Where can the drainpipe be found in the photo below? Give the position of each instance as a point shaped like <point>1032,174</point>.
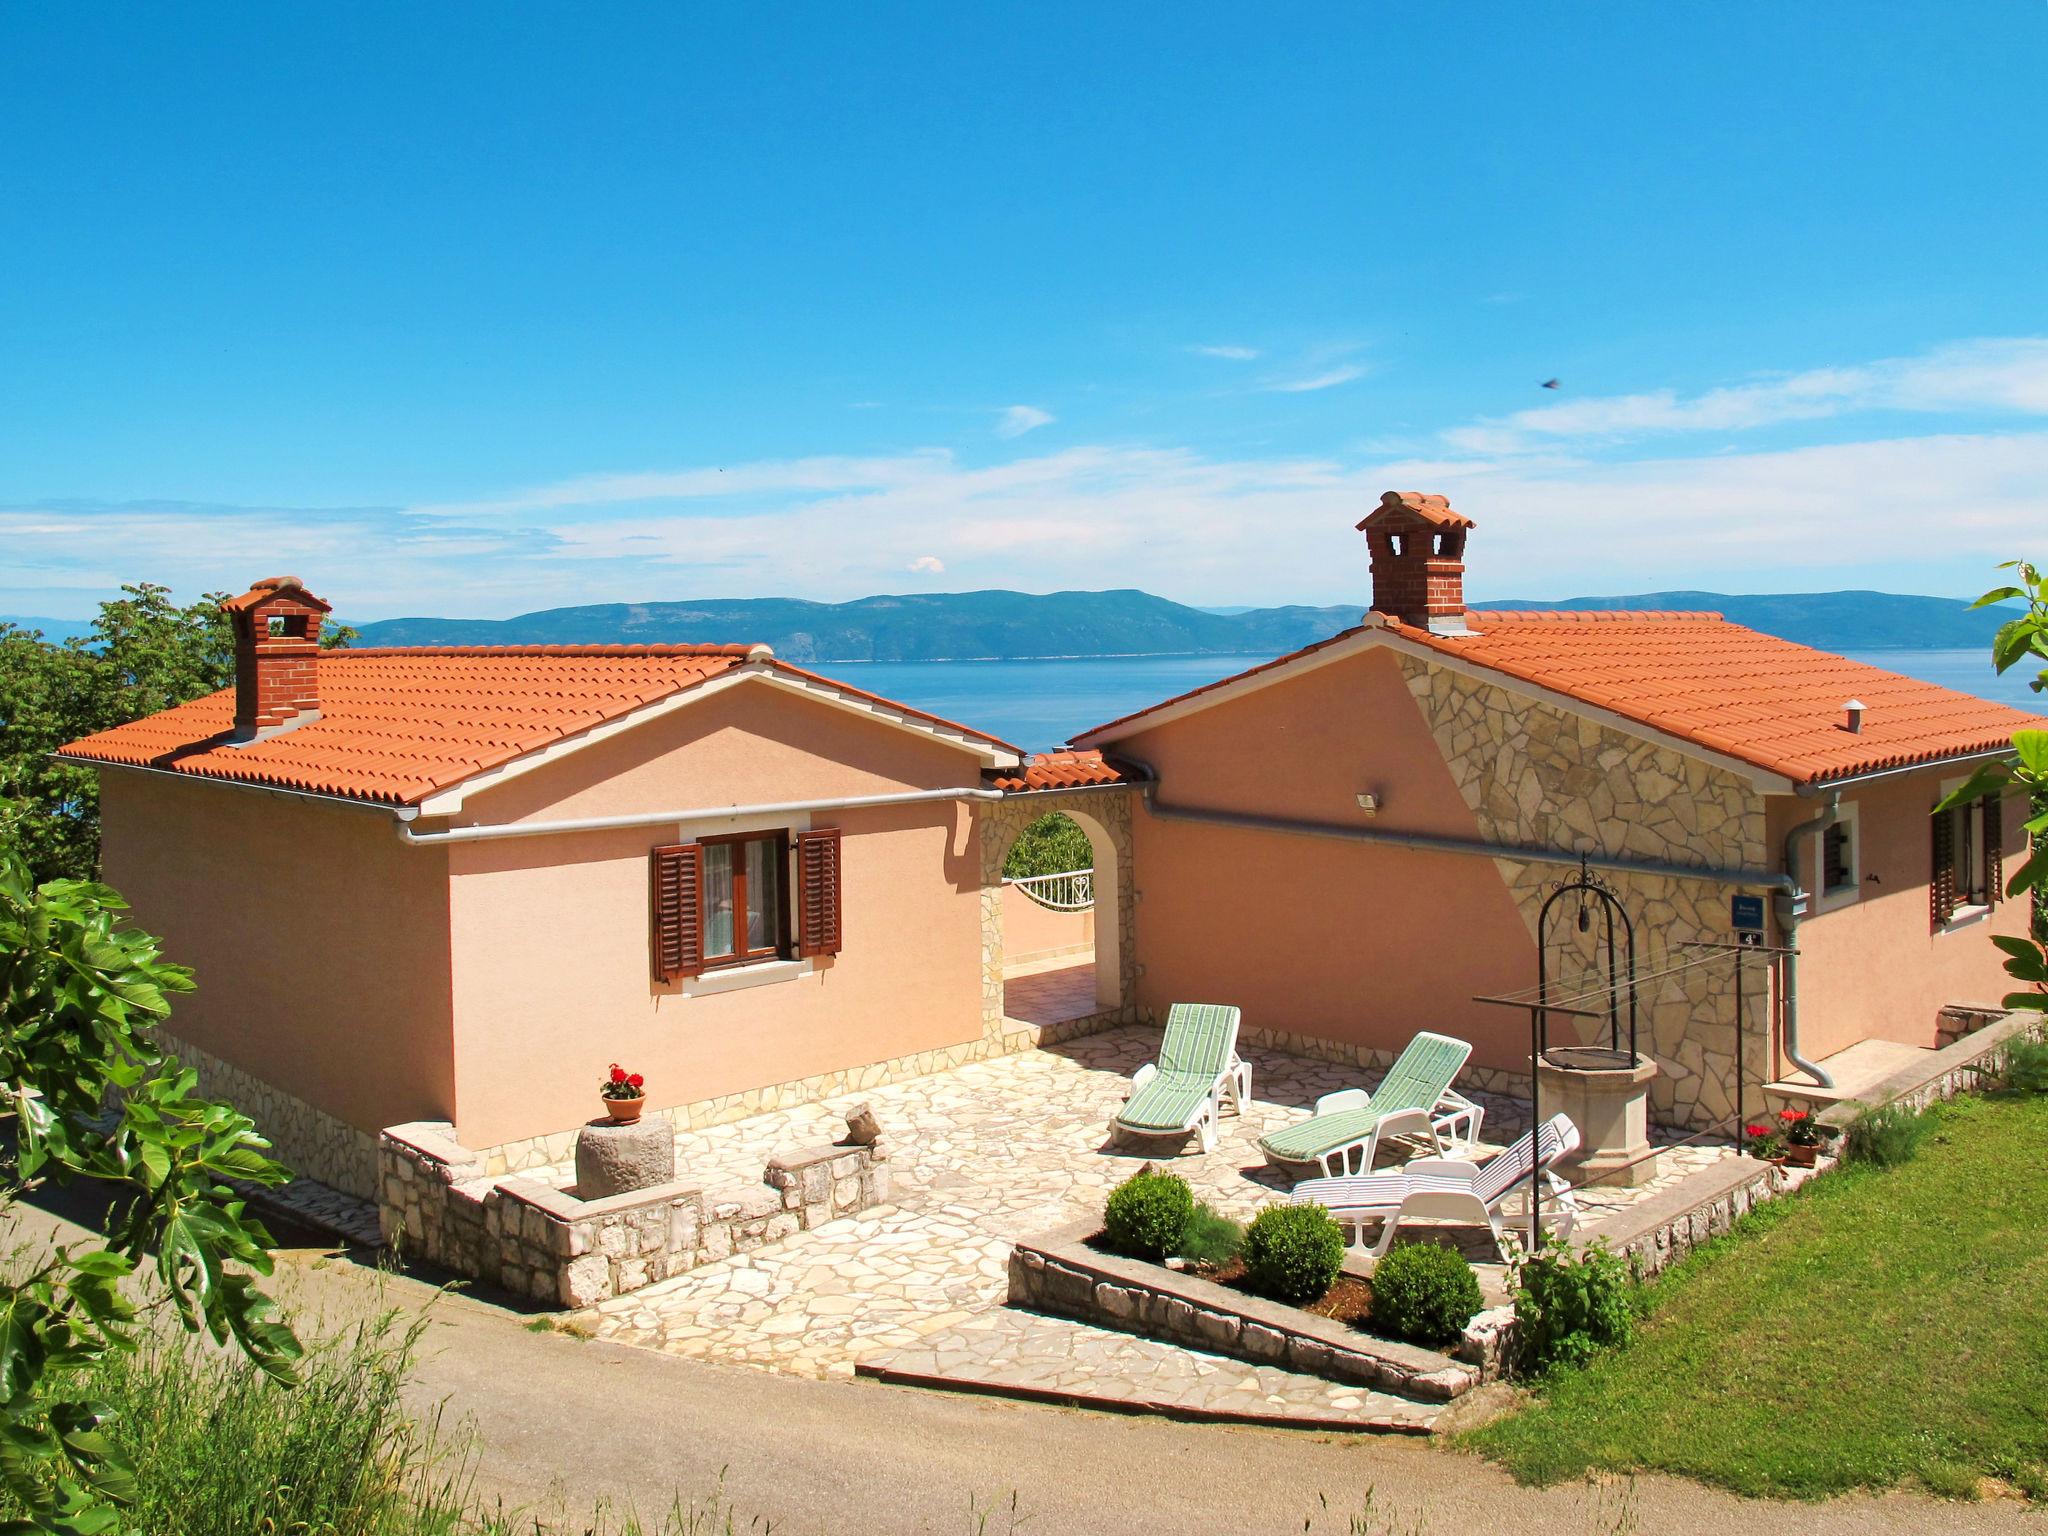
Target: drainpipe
<point>1788,919</point>
<point>414,839</point>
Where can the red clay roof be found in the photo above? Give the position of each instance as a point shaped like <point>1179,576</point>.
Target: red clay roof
<point>1732,690</point>
<point>1058,770</point>
<point>1431,509</point>
<point>397,725</point>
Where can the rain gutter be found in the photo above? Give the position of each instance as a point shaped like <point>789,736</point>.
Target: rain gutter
<point>413,839</point>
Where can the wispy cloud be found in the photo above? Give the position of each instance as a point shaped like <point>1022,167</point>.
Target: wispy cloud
<point>1229,354</point>
<point>1016,420</point>
<point>1328,378</point>
<point>2005,374</point>
<point>928,565</point>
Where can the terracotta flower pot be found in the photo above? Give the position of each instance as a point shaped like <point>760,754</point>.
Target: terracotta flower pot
<point>1801,1157</point>
<point>625,1111</point>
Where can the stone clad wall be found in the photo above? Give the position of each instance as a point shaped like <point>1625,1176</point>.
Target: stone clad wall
<point>1535,774</point>
<point>311,1143</point>
<point>436,1202</point>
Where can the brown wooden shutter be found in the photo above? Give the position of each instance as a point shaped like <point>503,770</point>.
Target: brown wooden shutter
<point>1941,887</point>
<point>1994,849</point>
<point>817,892</point>
<point>678,912</point>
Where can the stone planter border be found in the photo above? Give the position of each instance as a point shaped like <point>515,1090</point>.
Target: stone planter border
<point>436,1202</point>
<point>1061,1274</point>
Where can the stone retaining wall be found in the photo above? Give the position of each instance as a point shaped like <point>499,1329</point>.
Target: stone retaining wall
<point>437,1202</point>
<point>309,1141</point>
<point>1061,1274</point>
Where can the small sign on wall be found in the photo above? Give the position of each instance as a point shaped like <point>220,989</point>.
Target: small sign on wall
<point>1746,917</point>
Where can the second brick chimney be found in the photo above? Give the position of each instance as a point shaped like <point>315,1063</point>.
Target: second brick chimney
<point>277,654</point>
<point>1418,561</point>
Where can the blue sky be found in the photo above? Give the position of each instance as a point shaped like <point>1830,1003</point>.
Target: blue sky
<point>473,309</point>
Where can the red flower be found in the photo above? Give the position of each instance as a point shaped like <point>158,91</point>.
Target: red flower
<point>636,1080</point>
<point>1756,1130</point>
<point>618,1073</point>
<point>1790,1116</point>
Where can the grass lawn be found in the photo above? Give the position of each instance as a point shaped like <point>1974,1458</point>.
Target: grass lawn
<point>1880,1327</point>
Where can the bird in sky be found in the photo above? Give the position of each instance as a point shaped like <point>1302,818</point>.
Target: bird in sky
<point>1553,384</point>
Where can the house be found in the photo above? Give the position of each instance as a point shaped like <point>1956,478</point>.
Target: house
<point>455,884</point>
<point>1354,841</point>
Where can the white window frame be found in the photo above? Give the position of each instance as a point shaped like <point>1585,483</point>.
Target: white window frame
<point>1825,899</point>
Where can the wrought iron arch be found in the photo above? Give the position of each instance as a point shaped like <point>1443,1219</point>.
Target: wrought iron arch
<point>1593,895</point>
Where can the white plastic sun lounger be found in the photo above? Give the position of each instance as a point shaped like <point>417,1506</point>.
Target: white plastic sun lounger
<point>1450,1189</point>
<point>1197,1068</point>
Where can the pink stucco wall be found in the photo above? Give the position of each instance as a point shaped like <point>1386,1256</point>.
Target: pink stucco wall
<point>1345,941</point>
<point>550,934</point>
<point>1875,968</point>
<point>1033,932</point>
<point>319,943</point>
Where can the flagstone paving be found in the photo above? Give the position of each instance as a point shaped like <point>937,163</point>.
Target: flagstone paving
<point>979,1156</point>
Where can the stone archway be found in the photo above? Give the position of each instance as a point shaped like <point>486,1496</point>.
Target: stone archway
<point>1105,815</point>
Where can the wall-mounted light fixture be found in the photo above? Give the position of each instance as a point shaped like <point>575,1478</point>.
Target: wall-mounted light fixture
<point>1369,803</point>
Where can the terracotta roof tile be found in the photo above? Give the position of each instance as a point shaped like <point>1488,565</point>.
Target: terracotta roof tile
<point>1065,769</point>
<point>1431,509</point>
<point>396,725</point>
<point>1752,696</point>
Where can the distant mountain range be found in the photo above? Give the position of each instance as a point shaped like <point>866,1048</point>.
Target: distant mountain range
<point>954,626</point>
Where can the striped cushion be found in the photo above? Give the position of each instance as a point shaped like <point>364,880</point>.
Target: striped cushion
<point>1200,1040</point>
<point>1416,1080</point>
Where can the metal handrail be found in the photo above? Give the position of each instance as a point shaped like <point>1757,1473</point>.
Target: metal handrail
<point>1067,890</point>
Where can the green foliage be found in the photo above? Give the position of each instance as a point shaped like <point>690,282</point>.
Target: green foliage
<point>2022,639</point>
<point>1885,1137</point>
<point>2026,1067</point>
<point>1569,1306</point>
<point>1293,1253</point>
<point>1813,1351</point>
<point>1147,1216</point>
<point>79,992</point>
<point>145,654</point>
<point>1424,1292</point>
<point>1051,845</point>
<point>1211,1237</point>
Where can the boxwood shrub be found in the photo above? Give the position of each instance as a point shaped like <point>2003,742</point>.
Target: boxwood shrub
<point>1147,1216</point>
<point>1293,1252</point>
<point>1424,1292</point>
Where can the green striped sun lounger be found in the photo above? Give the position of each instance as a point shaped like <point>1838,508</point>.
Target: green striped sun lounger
<point>1413,1099</point>
<point>1184,1089</point>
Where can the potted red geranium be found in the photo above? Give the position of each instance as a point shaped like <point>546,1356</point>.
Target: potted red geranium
<point>624,1094</point>
<point>1802,1137</point>
<point>1764,1144</point>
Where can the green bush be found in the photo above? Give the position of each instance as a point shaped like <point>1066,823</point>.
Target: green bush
<point>1211,1237</point>
<point>1568,1306</point>
<point>1424,1292</point>
<point>1051,845</point>
<point>2026,1067</point>
<point>1885,1137</point>
<point>1147,1215</point>
<point>1293,1252</point>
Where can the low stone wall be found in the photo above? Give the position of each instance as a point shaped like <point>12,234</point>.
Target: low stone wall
<point>1061,1274</point>
<point>1959,1019</point>
<point>1961,1067</point>
<point>310,1142</point>
<point>437,1202</point>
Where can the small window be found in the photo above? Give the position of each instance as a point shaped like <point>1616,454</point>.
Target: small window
<point>746,909</point>
<point>1969,863</point>
<point>1838,860</point>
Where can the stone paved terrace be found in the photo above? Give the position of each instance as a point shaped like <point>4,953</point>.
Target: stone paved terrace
<point>980,1156</point>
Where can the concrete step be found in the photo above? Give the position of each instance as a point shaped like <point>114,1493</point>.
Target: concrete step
<point>1013,1353</point>
<point>1856,1071</point>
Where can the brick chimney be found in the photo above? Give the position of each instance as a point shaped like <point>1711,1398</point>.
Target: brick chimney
<point>1418,561</point>
<point>277,649</point>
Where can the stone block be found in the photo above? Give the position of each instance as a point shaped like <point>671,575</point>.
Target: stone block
<point>786,1224</point>
<point>714,1242</point>
<point>614,1159</point>
<point>817,1182</point>
<point>633,1274</point>
<point>1217,1330</point>
<point>1113,1301</point>
<point>585,1281</point>
<point>1267,1346</point>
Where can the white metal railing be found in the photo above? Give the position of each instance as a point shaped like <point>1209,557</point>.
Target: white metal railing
<point>1071,890</point>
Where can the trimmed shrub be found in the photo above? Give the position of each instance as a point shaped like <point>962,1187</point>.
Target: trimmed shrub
<point>1424,1292</point>
<point>1568,1307</point>
<point>1885,1137</point>
<point>1211,1238</point>
<point>1293,1252</point>
<point>1147,1215</point>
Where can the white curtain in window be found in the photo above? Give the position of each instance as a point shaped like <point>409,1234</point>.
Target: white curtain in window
<point>764,895</point>
<point>718,895</point>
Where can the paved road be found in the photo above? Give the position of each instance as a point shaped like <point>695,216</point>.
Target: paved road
<point>563,1421</point>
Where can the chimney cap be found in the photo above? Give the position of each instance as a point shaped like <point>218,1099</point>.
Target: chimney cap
<point>1853,710</point>
<point>1409,507</point>
<point>272,587</point>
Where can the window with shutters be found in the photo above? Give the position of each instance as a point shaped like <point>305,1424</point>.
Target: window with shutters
<point>740,900</point>
<point>1841,860</point>
<point>1969,874</point>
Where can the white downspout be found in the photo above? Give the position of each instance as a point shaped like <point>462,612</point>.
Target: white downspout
<point>490,833</point>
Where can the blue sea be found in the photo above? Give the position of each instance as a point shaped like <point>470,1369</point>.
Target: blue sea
<point>1040,704</point>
